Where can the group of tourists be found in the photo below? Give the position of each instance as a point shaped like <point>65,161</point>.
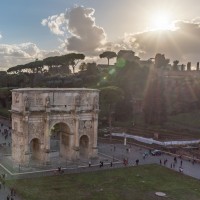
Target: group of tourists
<point>12,194</point>
<point>5,133</point>
<point>173,164</point>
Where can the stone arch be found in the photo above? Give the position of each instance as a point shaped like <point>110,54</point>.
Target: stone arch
<point>54,122</point>
<point>60,137</point>
<point>47,107</point>
<point>35,149</point>
<point>84,146</point>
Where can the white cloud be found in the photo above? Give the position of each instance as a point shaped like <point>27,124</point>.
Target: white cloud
<point>12,55</point>
<point>56,23</point>
<point>78,28</point>
<point>0,36</point>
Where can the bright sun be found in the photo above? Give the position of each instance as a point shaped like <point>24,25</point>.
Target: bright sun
<point>161,21</point>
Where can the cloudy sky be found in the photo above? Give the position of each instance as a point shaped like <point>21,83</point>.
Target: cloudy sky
<point>42,28</point>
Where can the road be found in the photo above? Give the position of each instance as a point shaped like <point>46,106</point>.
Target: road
<point>136,152</point>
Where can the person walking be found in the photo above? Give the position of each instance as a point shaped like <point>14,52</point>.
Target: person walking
<point>175,159</point>
<point>137,162</point>
<point>111,164</point>
<point>101,164</point>
<point>180,169</point>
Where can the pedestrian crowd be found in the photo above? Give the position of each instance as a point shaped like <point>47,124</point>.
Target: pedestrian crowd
<point>5,133</point>
<point>11,193</point>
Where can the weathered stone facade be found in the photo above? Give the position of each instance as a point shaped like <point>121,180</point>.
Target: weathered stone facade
<point>35,113</point>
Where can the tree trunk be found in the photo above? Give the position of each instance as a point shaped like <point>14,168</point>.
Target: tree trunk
<point>108,61</point>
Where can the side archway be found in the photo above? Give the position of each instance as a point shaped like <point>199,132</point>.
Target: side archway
<point>35,149</point>
<point>84,146</point>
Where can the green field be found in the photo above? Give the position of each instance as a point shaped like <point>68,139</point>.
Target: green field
<point>134,183</point>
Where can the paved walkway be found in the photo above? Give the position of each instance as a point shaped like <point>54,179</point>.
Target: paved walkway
<point>135,152</point>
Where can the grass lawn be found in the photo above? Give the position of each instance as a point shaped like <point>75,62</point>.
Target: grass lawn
<point>134,183</point>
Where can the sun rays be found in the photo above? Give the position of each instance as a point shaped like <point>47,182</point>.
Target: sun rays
<point>161,21</point>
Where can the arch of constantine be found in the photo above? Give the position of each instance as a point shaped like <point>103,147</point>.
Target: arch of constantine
<point>44,119</point>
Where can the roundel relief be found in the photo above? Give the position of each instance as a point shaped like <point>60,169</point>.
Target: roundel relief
<point>88,124</point>
<point>85,124</point>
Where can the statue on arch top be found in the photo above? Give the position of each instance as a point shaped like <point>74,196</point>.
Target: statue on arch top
<point>47,102</point>
<point>26,103</point>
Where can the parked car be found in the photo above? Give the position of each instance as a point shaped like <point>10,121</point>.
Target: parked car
<point>156,152</point>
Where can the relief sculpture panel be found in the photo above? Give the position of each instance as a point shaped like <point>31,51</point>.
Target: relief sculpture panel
<point>38,100</point>
<point>36,129</point>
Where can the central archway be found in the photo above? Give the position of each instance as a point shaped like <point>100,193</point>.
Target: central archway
<point>59,140</point>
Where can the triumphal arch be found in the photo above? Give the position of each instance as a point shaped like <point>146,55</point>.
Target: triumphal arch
<point>50,120</point>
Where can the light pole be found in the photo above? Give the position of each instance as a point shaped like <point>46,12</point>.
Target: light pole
<point>125,139</point>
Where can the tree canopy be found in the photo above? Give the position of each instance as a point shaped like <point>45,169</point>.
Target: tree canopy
<point>37,66</point>
<point>109,55</point>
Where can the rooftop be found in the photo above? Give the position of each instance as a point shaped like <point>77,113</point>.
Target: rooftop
<point>53,89</point>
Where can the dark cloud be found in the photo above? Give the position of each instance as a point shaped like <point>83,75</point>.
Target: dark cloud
<point>85,35</point>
